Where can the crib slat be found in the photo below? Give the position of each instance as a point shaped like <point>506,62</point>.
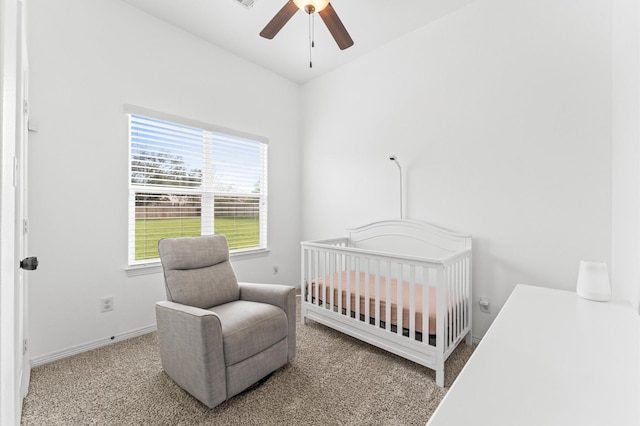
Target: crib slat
<point>458,311</point>
<point>322,277</point>
<point>331,267</point>
<point>441,315</point>
<point>367,292</point>
<point>401,307</point>
<point>452,306</point>
<point>358,278</point>
<point>326,280</point>
<point>468,295</point>
<point>459,297</point>
<point>307,285</point>
<point>328,301</point>
<point>304,283</point>
<point>412,302</point>
<point>323,289</point>
<point>376,306</point>
<point>387,297</point>
<point>339,260</point>
<point>463,295</point>
<point>445,316</point>
<point>455,301</point>
<point>425,305</point>
<point>316,288</point>
<point>449,316</point>
<point>349,268</point>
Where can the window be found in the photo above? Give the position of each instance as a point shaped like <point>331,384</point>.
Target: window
<point>189,179</point>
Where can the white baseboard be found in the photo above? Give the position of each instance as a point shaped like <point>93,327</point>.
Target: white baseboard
<point>78,349</point>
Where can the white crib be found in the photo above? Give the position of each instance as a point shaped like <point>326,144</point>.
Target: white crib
<point>370,285</point>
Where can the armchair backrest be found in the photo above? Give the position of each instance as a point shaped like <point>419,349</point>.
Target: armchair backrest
<point>197,271</point>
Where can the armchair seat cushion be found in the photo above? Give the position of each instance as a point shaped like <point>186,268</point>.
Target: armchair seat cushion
<point>249,328</point>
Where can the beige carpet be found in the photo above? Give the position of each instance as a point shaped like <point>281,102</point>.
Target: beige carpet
<point>334,380</point>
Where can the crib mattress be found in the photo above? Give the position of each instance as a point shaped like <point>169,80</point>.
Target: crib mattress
<point>371,282</point>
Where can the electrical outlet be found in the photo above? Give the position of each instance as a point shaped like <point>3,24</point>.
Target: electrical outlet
<point>106,304</point>
<point>485,305</point>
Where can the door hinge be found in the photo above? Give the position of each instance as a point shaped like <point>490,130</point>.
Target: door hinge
<point>25,346</point>
<point>25,107</point>
<point>25,226</point>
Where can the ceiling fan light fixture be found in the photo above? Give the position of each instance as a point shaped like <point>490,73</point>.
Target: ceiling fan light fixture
<point>317,5</point>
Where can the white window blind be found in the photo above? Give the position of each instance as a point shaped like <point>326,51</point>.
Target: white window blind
<point>189,181</point>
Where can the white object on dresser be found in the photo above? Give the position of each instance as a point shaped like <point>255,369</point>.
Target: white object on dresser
<point>550,358</point>
<point>593,281</point>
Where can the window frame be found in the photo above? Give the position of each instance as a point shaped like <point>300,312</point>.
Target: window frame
<point>139,267</point>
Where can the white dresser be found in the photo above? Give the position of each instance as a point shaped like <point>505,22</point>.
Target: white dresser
<point>550,358</point>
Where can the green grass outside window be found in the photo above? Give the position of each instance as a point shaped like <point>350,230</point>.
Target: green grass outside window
<point>241,232</point>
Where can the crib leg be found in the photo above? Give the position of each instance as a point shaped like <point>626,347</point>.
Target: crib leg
<point>468,338</point>
<point>440,376</point>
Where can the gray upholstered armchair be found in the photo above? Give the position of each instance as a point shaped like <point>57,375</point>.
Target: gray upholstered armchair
<point>217,336</point>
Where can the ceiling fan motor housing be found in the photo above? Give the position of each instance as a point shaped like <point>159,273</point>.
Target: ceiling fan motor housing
<point>311,6</point>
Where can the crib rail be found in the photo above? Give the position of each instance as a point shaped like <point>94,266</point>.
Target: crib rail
<point>410,303</point>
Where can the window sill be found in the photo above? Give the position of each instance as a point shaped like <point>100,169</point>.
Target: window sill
<point>156,267</point>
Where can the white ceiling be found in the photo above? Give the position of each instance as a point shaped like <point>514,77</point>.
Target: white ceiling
<point>235,28</point>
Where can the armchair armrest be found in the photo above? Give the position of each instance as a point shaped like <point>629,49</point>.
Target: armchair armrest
<point>282,296</point>
<point>191,349</point>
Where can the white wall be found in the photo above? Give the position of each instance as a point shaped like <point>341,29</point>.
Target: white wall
<point>501,115</point>
<point>626,151</point>
<point>87,60</point>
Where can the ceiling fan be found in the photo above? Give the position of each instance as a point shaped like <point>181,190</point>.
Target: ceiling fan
<point>322,7</point>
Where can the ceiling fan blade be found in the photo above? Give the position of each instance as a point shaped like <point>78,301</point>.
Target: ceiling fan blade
<point>336,28</point>
<point>278,21</point>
